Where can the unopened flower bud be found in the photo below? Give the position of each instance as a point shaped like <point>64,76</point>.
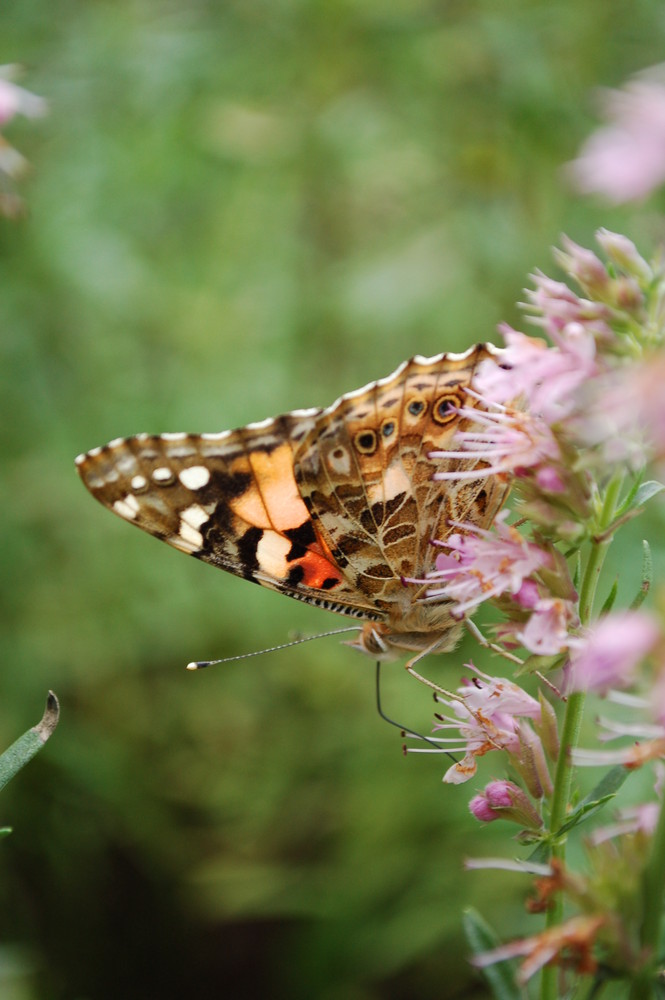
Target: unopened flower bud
<point>584,267</point>
<point>505,800</point>
<point>530,762</point>
<point>622,252</point>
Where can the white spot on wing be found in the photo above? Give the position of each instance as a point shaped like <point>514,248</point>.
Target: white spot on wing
<point>127,508</point>
<point>185,545</point>
<point>271,553</point>
<point>395,481</point>
<point>139,482</point>
<point>260,424</point>
<point>195,477</point>
<point>216,437</point>
<point>313,411</point>
<point>178,436</point>
<point>190,536</point>
<point>339,464</point>
<point>162,474</point>
<point>195,515</point>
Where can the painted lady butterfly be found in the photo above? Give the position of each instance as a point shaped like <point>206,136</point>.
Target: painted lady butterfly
<point>335,507</point>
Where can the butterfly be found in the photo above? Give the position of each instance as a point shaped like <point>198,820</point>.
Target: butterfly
<point>336,507</point>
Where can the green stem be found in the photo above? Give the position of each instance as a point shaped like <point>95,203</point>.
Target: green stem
<point>653,887</point>
<point>573,720</point>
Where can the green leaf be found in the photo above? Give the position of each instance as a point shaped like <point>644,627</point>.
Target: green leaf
<point>647,576</point>
<point>604,791</point>
<point>646,491</point>
<point>629,501</point>
<point>611,598</point>
<point>26,746</point>
<point>481,938</point>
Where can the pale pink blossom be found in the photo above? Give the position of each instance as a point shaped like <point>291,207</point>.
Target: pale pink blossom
<point>584,266</point>
<point>482,564</point>
<point>510,442</point>
<point>621,418</point>
<point>485,711</point>
<point>623,252</point>
<point>545,377</point>
<point>556,306</point>
<point>625,159</point>
<point>608,655</point>
<point>547,630</point>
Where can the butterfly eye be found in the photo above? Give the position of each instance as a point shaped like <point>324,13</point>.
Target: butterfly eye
<point>445,408</point>
<point>416,407</point>
<point>388,428</point>
<point>365,442</point>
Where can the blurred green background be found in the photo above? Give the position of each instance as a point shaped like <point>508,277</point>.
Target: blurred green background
<point>236,209</point>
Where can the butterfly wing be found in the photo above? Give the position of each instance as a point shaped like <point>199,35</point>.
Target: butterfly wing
<point>365,475</point>
<point>333,507</point>
<point>229,499</point>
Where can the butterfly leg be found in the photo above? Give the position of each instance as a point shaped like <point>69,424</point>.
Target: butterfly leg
<point>408,666</point>
<point>480,638</point>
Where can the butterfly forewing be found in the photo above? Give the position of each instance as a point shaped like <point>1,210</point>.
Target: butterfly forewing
<point>229,499</point>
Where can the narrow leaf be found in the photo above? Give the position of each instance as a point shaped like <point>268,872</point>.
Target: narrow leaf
<point>647,575</point>
<point>583,812</point>
<point>629,500</point>
<point>648,490</point>
<point>611,598</point>
<point>599,796</point>
<point>481,938</point>
<point>26,746</point>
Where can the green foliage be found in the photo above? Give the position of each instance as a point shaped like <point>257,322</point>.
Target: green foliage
<point>237,209</point>
<point>30,743</point>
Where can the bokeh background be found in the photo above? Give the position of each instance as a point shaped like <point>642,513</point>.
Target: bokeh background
<point>236,209</point>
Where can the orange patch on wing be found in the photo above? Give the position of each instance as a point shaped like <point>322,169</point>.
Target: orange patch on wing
<point>272,552</point>
<point>317,570</point>
<point>275,502</point>
<point>272,502</point>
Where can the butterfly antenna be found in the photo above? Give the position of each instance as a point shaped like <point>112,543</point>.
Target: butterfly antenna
<point>200,664</point>
<point>404,729</point>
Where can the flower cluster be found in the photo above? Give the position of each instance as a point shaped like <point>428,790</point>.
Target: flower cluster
<point>572,422</point>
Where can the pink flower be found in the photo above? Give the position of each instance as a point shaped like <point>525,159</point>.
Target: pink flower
<point>545,377</point>
<point>608,655</point>
<point>484,563</point>
<point>546,631</point>
<point>556,306</point>
<point>625,159</point>
<point>510,442</point>
<point>504,800</point>
<point>486,711</point>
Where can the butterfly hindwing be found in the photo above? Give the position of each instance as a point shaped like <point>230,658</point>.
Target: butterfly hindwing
<point>365,473</point>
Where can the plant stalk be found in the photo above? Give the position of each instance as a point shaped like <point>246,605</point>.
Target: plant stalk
<point>573,719</point>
